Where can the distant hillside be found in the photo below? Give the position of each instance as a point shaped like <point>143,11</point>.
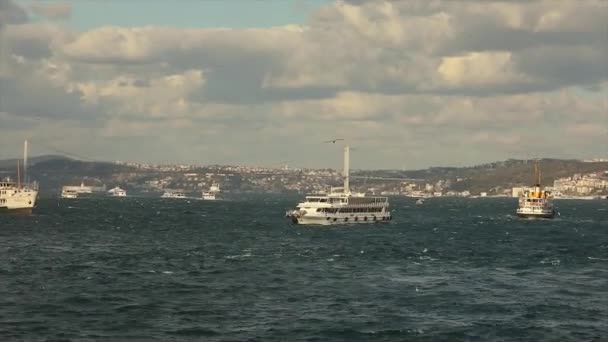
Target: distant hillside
<point>54,171</point>
<point>12,163</point>
<point>498,174</point>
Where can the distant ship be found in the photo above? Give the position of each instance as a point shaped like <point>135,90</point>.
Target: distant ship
<point>70,191</point>
<point>67,193</point>
<point>210,195</point>
<point>18,197</point>
<point>82,189</point>
<point>117,192</point>
<point>341,206</point>
<point>173,194</point>
<point>536,202</point>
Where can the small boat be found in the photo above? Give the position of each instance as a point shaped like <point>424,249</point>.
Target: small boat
<point>210,195</point>
<point>420,201</point>
<point>69,194</point>
<point>173,194</point>
<point>117,192</point>
<point>215,187</point>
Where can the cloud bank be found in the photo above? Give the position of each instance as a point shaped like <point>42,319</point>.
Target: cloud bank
<point>411,83</point>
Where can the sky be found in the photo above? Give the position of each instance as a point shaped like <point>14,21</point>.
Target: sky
<point>407,83</point>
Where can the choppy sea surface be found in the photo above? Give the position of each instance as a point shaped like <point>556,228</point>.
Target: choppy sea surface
<point>135,269</point>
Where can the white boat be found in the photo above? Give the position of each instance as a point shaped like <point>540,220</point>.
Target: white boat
<point>536,202</point>
<point>341,206</point>
<point>82,189</point>
<point>18,197</point>
<point>420,201</point>
<point>215,187</point>
<point>117,192</point>
<point>173,194</point>
<point>69,193</point>
<point>210,195</point>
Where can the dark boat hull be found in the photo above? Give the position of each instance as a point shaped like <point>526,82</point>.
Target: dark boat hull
<point>539,215</point>
<point>20,211</point>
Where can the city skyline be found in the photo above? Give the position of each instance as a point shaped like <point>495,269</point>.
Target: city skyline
<point>408,83</point>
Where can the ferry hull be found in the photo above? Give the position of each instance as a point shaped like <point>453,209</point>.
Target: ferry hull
<point>19,211</point>
<point>546,215</point>
<point>21,202</point>
<point>335,220</point>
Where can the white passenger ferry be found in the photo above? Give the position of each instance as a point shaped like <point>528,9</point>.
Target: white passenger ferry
<point>18,197</point>
<point>341,206</point>
<point>536,202</point>
<point>67,193</point>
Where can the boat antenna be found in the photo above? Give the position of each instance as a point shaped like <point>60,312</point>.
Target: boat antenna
<point>25,161</point>
<point>539,174</point>
<point>346,173</point>
<point>18,175</point>
<point>535,173</point>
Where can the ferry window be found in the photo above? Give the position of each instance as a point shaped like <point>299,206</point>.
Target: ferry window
<point>323,200</point>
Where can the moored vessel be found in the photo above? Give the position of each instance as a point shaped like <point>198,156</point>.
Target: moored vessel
<point>341,206</point>
<point>19,197</point>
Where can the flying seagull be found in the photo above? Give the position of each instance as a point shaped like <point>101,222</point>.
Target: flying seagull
<point>333,141</point>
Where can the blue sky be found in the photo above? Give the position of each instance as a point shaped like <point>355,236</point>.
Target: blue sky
<point>87,14</point>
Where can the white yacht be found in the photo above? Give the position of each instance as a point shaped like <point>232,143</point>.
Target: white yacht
<point>215,187</point>
<point>67,193</point>
<point>341,206</point>
<point>173,194</point>
<point>117,192</point>
<point>536,202</point>
<point>210,195</point>
<point>18,197</point>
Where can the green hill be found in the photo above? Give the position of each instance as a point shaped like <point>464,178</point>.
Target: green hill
<point>54,171</point>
